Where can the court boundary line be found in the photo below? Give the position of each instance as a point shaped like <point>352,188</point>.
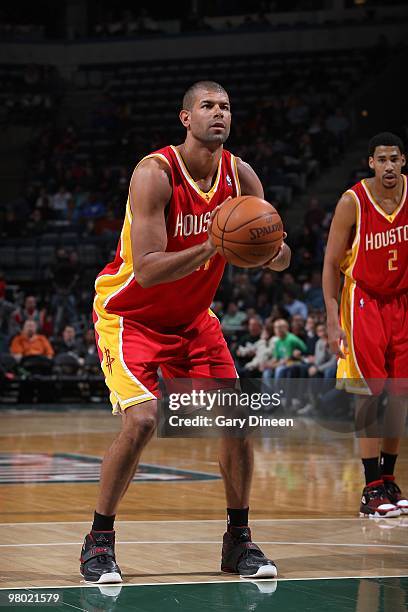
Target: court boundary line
<point>200,542</point>
<point>119,522</point>
<point>226,581</point>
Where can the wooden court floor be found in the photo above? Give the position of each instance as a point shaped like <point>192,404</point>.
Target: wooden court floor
<point>304,505</point>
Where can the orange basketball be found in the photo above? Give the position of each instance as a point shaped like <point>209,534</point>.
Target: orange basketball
<point>247,231</point>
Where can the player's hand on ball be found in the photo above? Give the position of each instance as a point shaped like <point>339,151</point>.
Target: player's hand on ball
<point>213,213</point>
<point>281,261</point>
<point>337,340</point>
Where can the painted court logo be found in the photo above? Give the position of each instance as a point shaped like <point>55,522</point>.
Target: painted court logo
<point>23,468</point>
<point>108,360</point>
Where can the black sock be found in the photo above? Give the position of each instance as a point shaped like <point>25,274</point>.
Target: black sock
<point>102,522</point>
<point>387,463</point>
<point>371,469</point>
<point>237,517</point>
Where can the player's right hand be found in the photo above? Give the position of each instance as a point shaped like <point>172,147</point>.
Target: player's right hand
<point>213,213</point>
<point>337,340</point>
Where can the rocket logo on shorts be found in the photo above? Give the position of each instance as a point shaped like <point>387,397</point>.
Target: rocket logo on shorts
<point>108,360</point>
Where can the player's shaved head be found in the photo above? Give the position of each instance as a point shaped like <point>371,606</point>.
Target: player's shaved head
<point>192,92</point>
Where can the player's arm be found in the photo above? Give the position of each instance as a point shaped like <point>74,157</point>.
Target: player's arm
<point>343,221</point>
<point>150,192</point>
<point>251,185</point>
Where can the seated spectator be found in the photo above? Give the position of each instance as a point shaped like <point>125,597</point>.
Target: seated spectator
<point>262,351</point>
<point>287,352</point>
<point>69,343</point>
<point>29,311</point>
<point>314,293</point>
<point>297,327</point>
<point>324,362</point>
<point>294,306</point>
<point>30,343</point>
<point>314,215</point>
<point>89,342</point>
<point>59,202</point>
<point>246,349</point>
<point>311,336</point>
<point>232,322</point>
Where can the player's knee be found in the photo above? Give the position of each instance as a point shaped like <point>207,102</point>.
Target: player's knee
<point>141,420</point>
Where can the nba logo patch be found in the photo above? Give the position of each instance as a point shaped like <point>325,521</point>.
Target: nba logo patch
<point>229,182</point>
<point>362,303</point>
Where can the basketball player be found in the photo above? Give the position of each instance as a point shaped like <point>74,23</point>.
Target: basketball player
<point>368,243</point>
<point>151,310</point>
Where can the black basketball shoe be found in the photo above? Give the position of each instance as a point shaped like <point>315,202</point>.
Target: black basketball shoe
<point>395,494</point>
<point>241,556</point>
<point>98,562</point>
<point>375,502</point>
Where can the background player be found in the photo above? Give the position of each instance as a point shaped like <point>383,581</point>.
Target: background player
<point>368,242</point>
<point>152,310</point>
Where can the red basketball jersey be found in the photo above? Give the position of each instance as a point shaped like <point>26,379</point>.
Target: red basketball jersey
<point>173,304</point>
<point>378,258</point>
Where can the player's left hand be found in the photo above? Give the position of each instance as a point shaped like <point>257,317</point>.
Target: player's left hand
<point>281,261</point>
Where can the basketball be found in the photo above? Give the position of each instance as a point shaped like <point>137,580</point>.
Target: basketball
<point>247,231</point>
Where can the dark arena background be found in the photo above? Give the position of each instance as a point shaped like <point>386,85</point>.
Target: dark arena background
<point>86,90</point>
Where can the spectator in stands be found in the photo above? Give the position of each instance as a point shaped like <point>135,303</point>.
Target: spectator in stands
<point>311,336</point>
<point>30,312</point>
<point>69,343</point>
<point>287,352</point>
<point>338,125</point>
<point>314,215</point>
<point>30,343</point>
<point>294,306</point>
<point>89,342</point>
<point>297,327</point>
<point>289,284</point>
<point>59,202</point>
<point>262,352</point>
<point>233,321</point>
<point>8,326</point>
<point>324,362</point>
<point>64,275</point>
<point>314,293</point>
<point>247,344</point>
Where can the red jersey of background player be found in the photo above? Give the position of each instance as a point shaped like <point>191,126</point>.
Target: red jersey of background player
<point>170,305</point>
<point>378,258</point>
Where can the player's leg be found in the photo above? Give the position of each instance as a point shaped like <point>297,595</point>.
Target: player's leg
<point>210,358</point>
<point>396,312</point>
<point>363,372</point>
<point>121,459</point>
<point>133,388</point>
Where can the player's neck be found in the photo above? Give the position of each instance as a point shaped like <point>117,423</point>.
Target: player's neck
<point>382,194</point>
<point>201,161</point>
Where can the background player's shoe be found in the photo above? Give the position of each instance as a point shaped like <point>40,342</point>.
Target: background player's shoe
<point>241,556</point>
<point>375,502</point>
<point>395,495</point>
<point>98,562</point>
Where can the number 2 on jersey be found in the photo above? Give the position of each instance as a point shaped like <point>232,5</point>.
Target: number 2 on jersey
<point>392,260</point>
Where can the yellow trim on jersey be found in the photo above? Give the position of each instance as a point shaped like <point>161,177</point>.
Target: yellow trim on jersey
<point>108,286</point>
<point>389,217</point>
<point>159,155</point>
<point>349,375</point>
<point>350,258</point>
<point>206,195</point>
<point>234,169</point>
<point>125,389</point>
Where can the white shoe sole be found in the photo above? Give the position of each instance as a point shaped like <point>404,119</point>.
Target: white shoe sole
<point>265,571</point>
<point>389,514</point>
<point>108,578</point>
